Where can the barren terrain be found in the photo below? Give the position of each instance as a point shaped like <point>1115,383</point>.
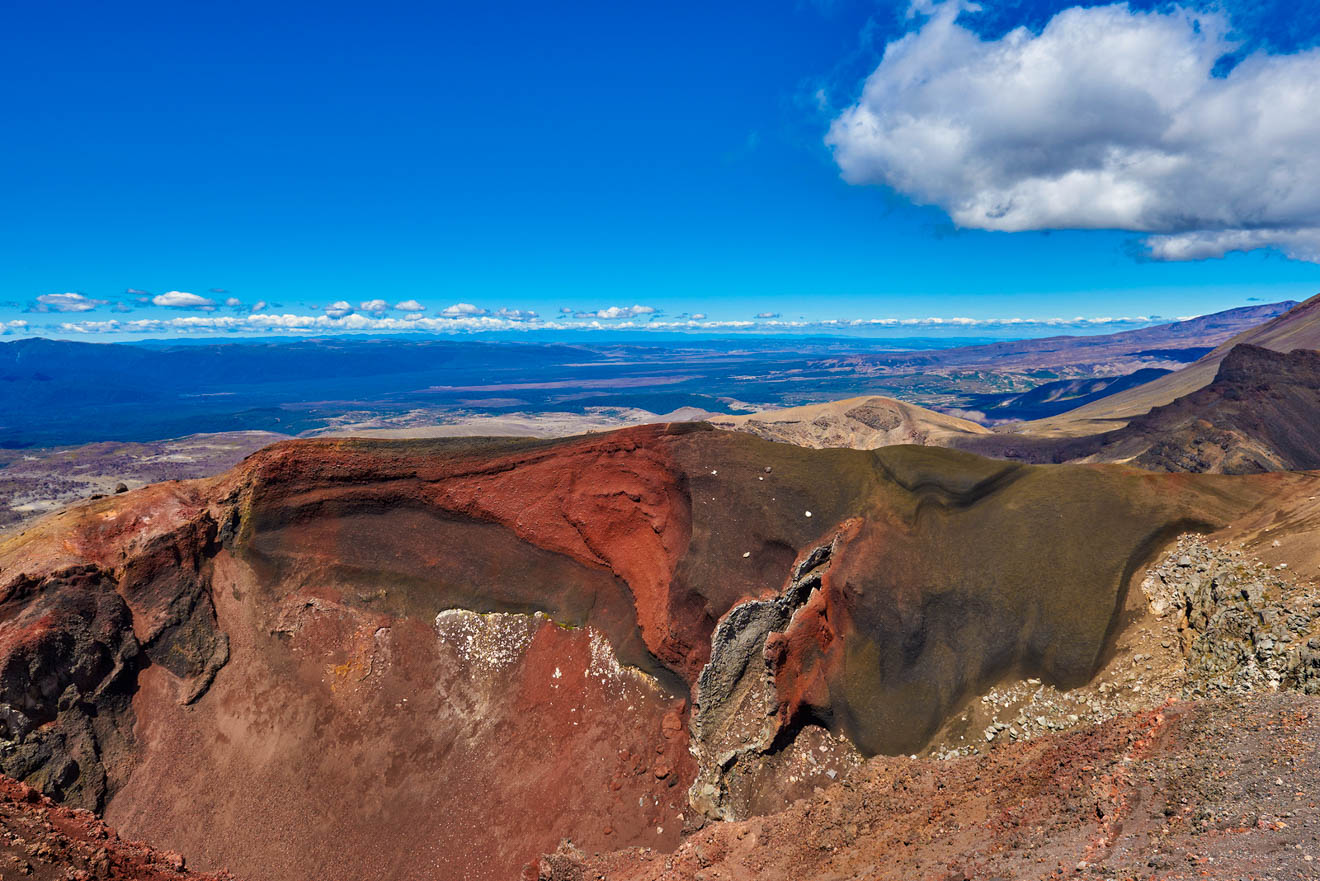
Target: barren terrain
<point>708,626</point>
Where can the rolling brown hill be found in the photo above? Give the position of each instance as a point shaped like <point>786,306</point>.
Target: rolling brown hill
<point>1298,328</point>
<point>860,423</point>
<point>411,659</point>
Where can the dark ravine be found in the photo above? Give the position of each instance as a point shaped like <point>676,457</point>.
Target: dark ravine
<point>1063,395</point>
<point>271,637</point>
<point>1258,414</point>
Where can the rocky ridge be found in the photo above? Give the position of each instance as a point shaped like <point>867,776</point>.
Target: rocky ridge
<point>1209,618</point>
<point>1243,625</point>
<point>743,736</point>
<point>1256,413</point>
<point>1297,328</point>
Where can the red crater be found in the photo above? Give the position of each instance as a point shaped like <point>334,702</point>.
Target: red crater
<point>351,660</point>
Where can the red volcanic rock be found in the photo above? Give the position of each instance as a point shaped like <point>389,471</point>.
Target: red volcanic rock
<point>408,660</point>
<point>1190,791</point>
<point>86,604</point>
<point>468,745</point>
<point>65,639</point>
<point>798,657</point>
<point>610,502</point>
<point>614,503</point>
<point>337,681</point>
<point>46,842</point>
<point>802,658</point>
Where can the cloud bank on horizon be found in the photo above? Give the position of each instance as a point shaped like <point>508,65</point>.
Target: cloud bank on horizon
<point>1107,118</point>
<point>334,319</point>
<point>379,315</point>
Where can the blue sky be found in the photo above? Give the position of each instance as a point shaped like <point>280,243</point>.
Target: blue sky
<point>621,165</point>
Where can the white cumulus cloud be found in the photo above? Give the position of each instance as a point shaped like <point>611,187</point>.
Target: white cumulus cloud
<point>1109,118</point>
<point>409,306</point>
<point>183,300</point>
<point>462,309</point>
<point>613,312</point>
<point>339,309</point>
<point>70,302</point>
<point>374,307</point>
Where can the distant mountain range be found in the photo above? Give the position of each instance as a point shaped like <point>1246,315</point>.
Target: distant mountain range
<point>55,393</point>
<point>1259,413</point>
<point>1177,341</point>
<point>1249,405</point>
<point>1297,328</point>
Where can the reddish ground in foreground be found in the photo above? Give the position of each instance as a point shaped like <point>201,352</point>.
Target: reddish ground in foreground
<point>1188,791</point>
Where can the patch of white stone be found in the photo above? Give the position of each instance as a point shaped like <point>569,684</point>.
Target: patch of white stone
<point>487,643</point>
